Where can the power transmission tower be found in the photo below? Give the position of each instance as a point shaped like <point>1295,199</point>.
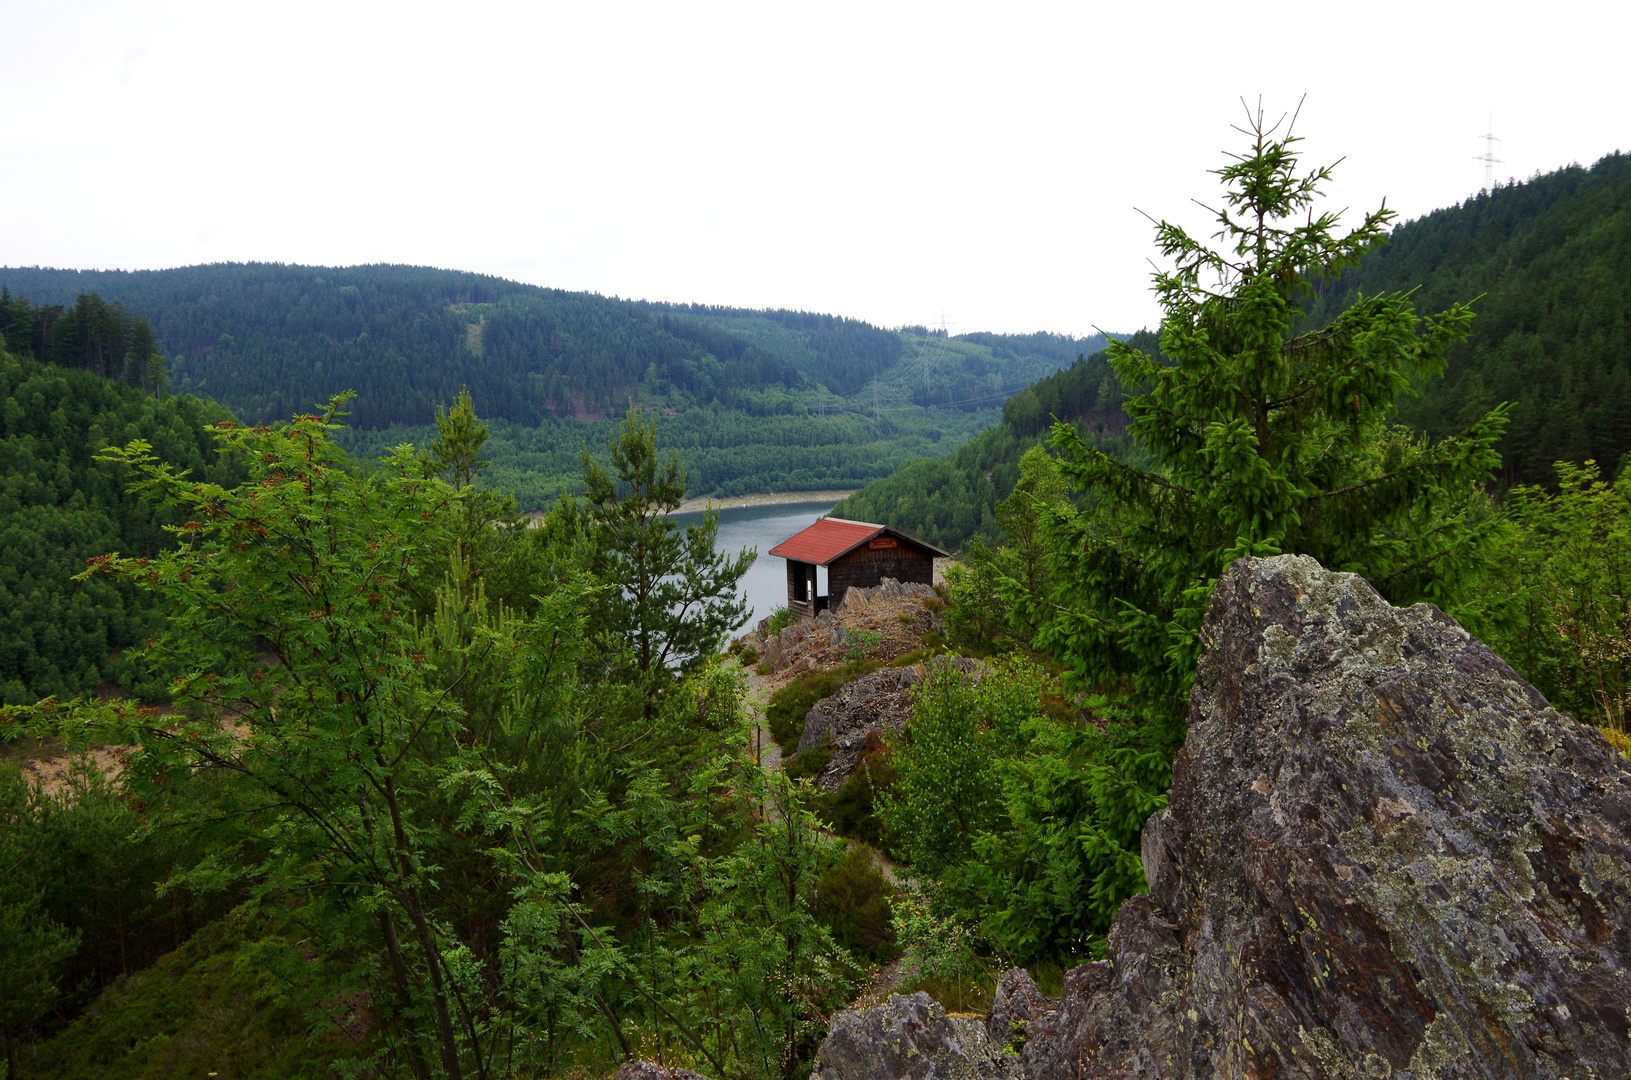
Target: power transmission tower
<point>1488,156</point>
<point>925,355</point>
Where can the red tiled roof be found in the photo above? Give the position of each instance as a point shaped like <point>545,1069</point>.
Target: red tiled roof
<point>829,538</point>
<point>826,540</point>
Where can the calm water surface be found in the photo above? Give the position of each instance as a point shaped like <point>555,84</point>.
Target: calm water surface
<point>762,528</point>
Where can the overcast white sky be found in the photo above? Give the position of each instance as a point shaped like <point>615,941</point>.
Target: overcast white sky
<point>888,161</point>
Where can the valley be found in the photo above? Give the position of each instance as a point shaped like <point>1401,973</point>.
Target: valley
<point>440,710</point>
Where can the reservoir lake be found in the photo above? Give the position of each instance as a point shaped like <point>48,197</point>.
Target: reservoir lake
<point>762,527</point>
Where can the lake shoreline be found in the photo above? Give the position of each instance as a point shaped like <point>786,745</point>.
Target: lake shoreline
<point>774,498</point>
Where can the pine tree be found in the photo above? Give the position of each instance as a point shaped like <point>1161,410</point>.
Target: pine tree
<point>676,597</point>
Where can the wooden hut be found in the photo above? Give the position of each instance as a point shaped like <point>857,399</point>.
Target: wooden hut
<point>857,555</point>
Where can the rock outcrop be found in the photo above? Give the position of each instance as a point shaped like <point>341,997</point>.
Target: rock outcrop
<point>874,704</point>
<point>1018,1001</point>
<point>650,1070</point>
<point>910,1038</point>
<point>1384,855</point>
<point>880,623</point>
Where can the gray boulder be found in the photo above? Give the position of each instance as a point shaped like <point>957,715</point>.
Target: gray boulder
<point>910,1038</point>
<point>1384,855</point>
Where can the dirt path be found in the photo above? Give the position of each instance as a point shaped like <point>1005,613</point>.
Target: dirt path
<point>765,750</point>
<point>768,753</point>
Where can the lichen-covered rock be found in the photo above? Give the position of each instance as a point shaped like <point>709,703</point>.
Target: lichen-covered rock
<point>1384,856</point>
<point>1018,1001</point>
<point>650,1070</point>
<point>878,702</point>
<point>910,1038</point>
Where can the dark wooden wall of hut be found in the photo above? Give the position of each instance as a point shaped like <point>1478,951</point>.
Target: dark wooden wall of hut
<point>866,567</point>
<point>805,608</point>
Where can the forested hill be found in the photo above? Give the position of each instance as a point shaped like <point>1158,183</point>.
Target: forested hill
<point>1548,260</point>
<point>269,340</point>
<point>952,501</point>
<point>1551,260</point>
<point>60,506</point>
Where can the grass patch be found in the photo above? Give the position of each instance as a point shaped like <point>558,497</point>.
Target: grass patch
<point>958,993</point>
<point>778,621</point>
<point>917,656</point>
<point>861,642</point>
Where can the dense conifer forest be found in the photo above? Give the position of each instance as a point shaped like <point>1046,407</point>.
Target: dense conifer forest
<point>952,501</point>
<point>60,506</point>
<point>759,400</point>
<point>1546,264</point>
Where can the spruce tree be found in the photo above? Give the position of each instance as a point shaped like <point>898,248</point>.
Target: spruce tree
<point>1267,436</point>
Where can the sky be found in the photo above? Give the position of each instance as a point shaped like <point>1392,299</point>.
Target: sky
<point>989,164</point>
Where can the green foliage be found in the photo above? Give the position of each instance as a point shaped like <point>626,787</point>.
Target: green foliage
<point>861,642</point>
<point>229,1003</point>
<point>91,335</point>
<point>754,400</point>
<point>677,598</point>
<point>59,506</point>
<point>953,501</point>
<point>726,451</point>
<point>947,791</point>
<point>981,617</point>
<point>1263,440</point>
<point>87,872</point>
<point>520,858</point>
<point>1087,391</point>
<point>779,619</point>
<point>755,987</point>
<point>807,763</point>
<point>1027,823</point>
<point>852,900</point>
<point>1550,259</point>
<point>34,948</point>
<point>111,877</point>
<point>852,810</point>
<point>1556,603</point>
<point>936,946</point>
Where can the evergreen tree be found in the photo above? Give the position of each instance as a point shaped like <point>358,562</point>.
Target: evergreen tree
<point>1263,439</point>
<point>675,597</point>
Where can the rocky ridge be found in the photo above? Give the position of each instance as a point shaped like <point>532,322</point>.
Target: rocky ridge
<point>1384,855</point>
